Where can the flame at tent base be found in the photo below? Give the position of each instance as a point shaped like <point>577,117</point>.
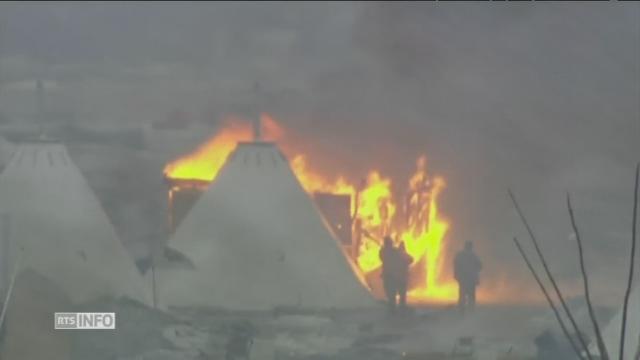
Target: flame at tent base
<point>413,220</point>
<point>419,225</point>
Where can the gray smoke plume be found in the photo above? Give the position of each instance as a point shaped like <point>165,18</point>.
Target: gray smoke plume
<point>542,98</point>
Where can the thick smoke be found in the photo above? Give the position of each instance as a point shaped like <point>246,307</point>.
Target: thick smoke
<point>541,98</point>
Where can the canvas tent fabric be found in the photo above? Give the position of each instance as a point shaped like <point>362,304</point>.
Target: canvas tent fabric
<point>53,224</point>
<point>611,333</point>
<point>256,241</point>
<point>6,149</point>
<point>29,332</point>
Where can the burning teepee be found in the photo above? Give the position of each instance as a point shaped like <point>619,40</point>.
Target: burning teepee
<point>53,224</point>
<point>256,241</point>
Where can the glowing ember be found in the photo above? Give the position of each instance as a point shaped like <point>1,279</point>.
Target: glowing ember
<point>414,220</point>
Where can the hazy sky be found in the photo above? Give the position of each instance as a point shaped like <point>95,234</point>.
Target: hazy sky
<point>540,97</point>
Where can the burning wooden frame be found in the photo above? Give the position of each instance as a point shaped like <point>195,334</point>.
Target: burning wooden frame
<point>582,349</point>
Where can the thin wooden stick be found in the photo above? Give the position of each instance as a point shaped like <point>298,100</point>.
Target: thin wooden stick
<point>551,278</point>
<point>7,299</point>
<point>549,300</point>
<point>623,326</point>
<point>602,348</point>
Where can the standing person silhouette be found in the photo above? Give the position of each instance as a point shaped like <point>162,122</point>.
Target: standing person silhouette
<point>467,268</point>
<point>388,255</point>
<point>404,262</point>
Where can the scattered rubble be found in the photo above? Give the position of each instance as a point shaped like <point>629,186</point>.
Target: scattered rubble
<point>203,334</point>
<point>163,354</point>
<point>138,330</point>
<point>188,339</point>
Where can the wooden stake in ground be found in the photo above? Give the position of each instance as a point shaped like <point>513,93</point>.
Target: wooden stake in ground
<point>551,277</point>
<point>7,299</point>
<point>549,300</point>
<point>623,327</point>
<point>602,349</point>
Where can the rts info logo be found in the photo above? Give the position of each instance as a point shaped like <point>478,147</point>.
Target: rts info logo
<point>82,321</point>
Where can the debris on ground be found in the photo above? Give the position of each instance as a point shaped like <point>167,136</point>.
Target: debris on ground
<point>143,333</point>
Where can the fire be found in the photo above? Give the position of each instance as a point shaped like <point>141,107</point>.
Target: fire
<point>312,182</point>
<point>375,211</point>
<point>413,219</point>
<point>204,163</point>
<point>423,232</point>
<point>425,235</point>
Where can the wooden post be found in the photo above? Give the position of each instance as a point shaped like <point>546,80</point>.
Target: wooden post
<point>356,223</point>
<point>152,267</point>
<point>627,295</point>
<point>7,297</point>
<point>153,284</point>
<point>554,284</point>
<point>549,300</point>
<point>602,348</point>
<point>5,251</point>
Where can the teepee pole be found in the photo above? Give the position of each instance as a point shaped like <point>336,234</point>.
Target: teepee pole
<point>634,221</point>
<point>154,284</point>
<point>5,250</point>
<point>549,300</point>
<point>602,348</point>
<point>550,277</point>
<point>257,121</point>
<point>152,269</point>
<point>5,306</point>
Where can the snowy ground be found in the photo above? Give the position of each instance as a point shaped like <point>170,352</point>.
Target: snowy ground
<point>189,334</point>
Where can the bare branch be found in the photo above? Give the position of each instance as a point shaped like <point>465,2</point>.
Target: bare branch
<point>549,300</point>
<point>579,333</point>
<point>602,349</point>
<point>623,326</point>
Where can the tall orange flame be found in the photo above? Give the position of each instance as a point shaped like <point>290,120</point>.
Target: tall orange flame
<point>416,221</point>
<point>205,162</point>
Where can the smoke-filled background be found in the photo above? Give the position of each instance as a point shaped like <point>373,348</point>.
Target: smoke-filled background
<point>541,98</point>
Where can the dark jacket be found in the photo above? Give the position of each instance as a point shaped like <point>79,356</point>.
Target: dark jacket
<point>404,261</point>
<point>467,268</point>
<point>387,256</point>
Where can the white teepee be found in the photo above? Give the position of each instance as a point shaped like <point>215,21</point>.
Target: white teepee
<point>53,224</point>
<point>611,333</point>
<point>256,241</point>
<point>6,149</point>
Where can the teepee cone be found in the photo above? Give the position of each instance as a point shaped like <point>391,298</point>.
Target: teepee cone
<point>61,229</point>
<point>257,241</point>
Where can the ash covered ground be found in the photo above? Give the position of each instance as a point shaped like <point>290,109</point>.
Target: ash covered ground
<point>499,332</point>
<point>543,99</point>
<point>117,173</point>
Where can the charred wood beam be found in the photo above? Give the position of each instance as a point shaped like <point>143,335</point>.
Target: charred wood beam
<point>549,300</point>
<point>623,326</point>
<point>551,278</point>
<point>602,349</point>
